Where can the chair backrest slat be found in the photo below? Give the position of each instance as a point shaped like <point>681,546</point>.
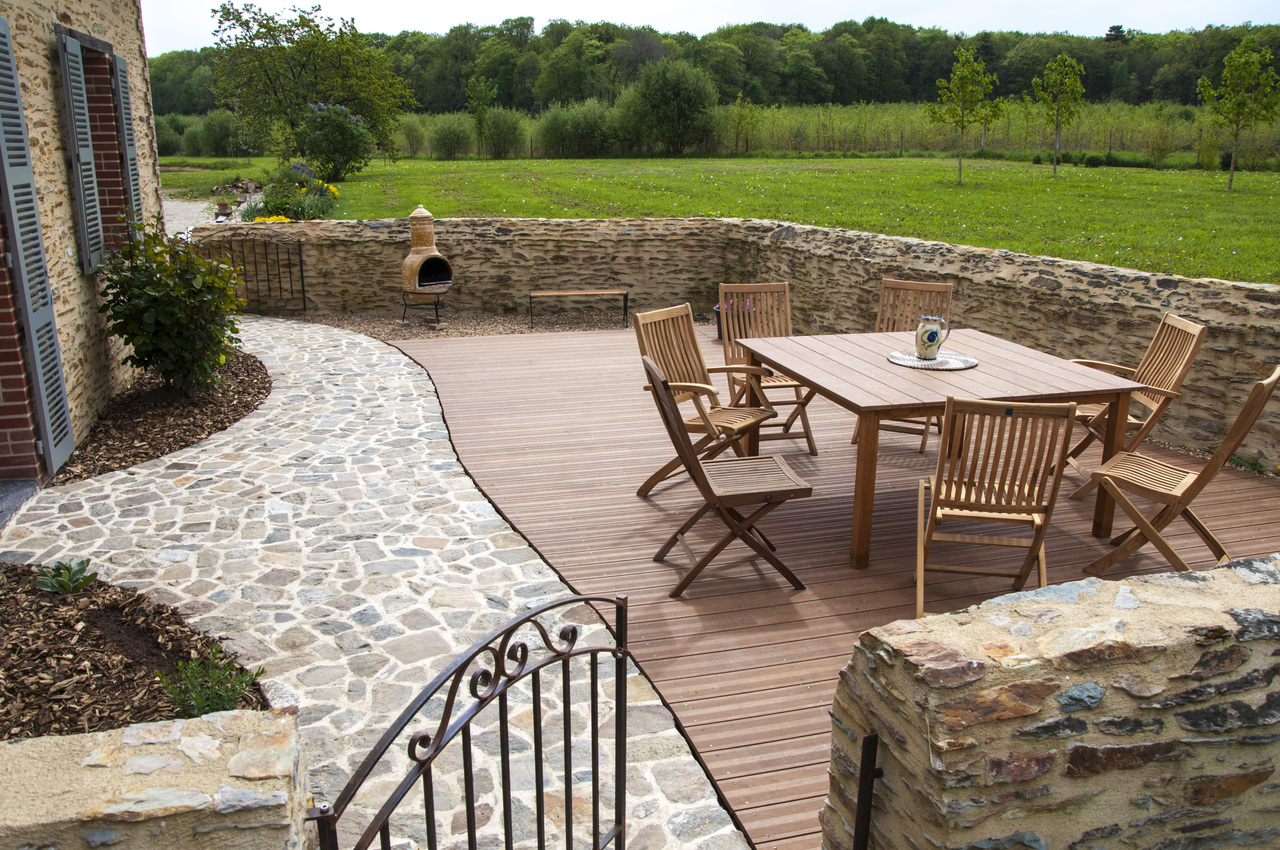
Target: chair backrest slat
<point>668,337</point>
<point>903,302</point>
<point>1169,358</point>
<point>1002,457</point>
<point>751,311</point>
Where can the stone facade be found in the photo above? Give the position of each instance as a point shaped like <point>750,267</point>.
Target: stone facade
<point>91,359</point>
<point>1143,713</point>
<point>225,780</point>
<point>1071,309</point>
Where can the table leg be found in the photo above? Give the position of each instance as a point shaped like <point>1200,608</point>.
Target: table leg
<point>1104,508</point>
<point>752,399</point>
<point>864,490</point>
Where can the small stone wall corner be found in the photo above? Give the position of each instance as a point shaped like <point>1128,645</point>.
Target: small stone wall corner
<point>231,780</point>
<point>1140,713</point>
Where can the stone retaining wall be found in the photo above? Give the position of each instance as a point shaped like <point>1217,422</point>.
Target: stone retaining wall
<point>1071,309</point>
<point>225,780</point>
<point>1143,713</point>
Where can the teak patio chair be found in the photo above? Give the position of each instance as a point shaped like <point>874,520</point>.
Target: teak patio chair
<point>725,485</point>
<point>902,303</point>
<point>668,337</point>
<point>749,311</point>
<point>999,462</point>
<point>1172,489</point>
<point>1163,369</point>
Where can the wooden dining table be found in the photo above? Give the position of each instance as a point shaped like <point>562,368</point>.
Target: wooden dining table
<point>853,371</point>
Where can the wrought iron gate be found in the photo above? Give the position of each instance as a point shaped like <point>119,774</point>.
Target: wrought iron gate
<point>496,671</point>
<point>269,262</point>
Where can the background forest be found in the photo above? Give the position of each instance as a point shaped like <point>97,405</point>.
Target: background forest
<point>857,87</point>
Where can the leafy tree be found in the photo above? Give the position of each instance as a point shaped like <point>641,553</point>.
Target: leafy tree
<point>679,98</point>
<point>1249,94</point>
<point>270,68</point>
<point>744,118</point>
<point>1060,94</point>
<point>962,99</point>
<point>415,135</point>
<point>481,94</point>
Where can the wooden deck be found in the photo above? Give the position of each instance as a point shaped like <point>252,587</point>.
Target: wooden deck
<point>557,432</point>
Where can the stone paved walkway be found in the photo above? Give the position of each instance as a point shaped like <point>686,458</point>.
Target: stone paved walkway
<point>334,539</point>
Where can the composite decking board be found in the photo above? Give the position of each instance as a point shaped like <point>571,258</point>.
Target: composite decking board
<point>557,431</point>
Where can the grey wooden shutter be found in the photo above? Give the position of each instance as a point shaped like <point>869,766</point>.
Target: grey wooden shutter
<point>128,143</point>
<point>84,178</point>
<point>28,269</point>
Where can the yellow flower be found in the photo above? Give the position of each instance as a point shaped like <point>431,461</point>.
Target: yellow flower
<point>304,189</point>
<point>333,190</point>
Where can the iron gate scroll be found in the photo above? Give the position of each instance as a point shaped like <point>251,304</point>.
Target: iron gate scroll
<point>269,264</point>
<point>510,663</point>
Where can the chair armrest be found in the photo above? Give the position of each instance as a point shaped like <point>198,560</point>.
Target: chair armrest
<point>1160,392</point>
<point>1107,367</point>
<point>696,389</point>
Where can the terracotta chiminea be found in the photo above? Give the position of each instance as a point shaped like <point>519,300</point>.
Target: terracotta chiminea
<point>426,275</point>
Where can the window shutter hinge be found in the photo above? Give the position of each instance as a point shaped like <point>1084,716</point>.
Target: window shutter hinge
<point>40,447</point>
<point>8,259</point>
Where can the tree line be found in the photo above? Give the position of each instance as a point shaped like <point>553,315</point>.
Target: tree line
<point>872,61</point>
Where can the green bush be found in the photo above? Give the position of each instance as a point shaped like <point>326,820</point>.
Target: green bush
<point>451,136</point>
<point>168,142</point>
<point>334,141</point>
<point>172,306</point>
<point>1094,160</point>
<point>413,133</point>
<point>216,684</point>
<point>587,133</point>
<point>553,131</point>
<point>65,577</point>
<point>505,135</point>
<point>216,133</point>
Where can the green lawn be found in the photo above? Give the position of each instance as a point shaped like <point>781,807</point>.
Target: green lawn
<point>1180,222</point>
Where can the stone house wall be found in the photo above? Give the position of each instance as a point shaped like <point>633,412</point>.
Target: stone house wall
<point>1138,713</point>
<point>1071,309</point>
<point>91,360</point>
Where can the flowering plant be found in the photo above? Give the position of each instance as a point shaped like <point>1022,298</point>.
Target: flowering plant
<point>335,140</point>
<point>293,193</point>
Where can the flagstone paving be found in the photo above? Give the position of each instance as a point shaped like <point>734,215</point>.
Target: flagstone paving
<point>334,539</point>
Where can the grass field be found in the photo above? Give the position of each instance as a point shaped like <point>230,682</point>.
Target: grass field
<point>1180,222</point>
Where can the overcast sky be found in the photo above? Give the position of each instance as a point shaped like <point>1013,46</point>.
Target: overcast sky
<point>179,25</point>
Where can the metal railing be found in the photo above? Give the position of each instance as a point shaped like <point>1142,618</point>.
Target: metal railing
<point>269,263</point>
<point>494,672</point>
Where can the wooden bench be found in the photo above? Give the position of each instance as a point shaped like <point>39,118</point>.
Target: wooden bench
<point>569,293</point>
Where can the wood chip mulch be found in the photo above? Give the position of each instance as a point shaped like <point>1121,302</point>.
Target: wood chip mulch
<point>88,662</point>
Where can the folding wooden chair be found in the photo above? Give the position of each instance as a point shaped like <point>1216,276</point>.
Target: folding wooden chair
<point>1172,488</point>
<point>750,311</point>
<point>725,485</point>
<point>902,303</point>
<point>669,338</point>
<point>1000,462</point>
<point>1163,369</point>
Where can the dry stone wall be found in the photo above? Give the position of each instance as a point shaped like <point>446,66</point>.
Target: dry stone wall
<point>1070,309</point>
<point>1143,713</point>
<point>230,780</point>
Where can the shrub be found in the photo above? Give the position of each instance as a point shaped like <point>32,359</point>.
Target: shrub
<point>1037,160</point>
<point>679,97</point>
<point>629,124</point>
<point>553,131</point>
<point>505,134</point>
<point>168,142</point>
<point>1094,160</point>
<point>1224,160</point>
<point>451,136</point>
<point>216,133</point>
<point>203,687</point>
<point>172,306</point>
<point>414,134</point>
<point>65,577</point>
<point>295,192</point>
<point>587,132</point>
<point>334,141</point>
